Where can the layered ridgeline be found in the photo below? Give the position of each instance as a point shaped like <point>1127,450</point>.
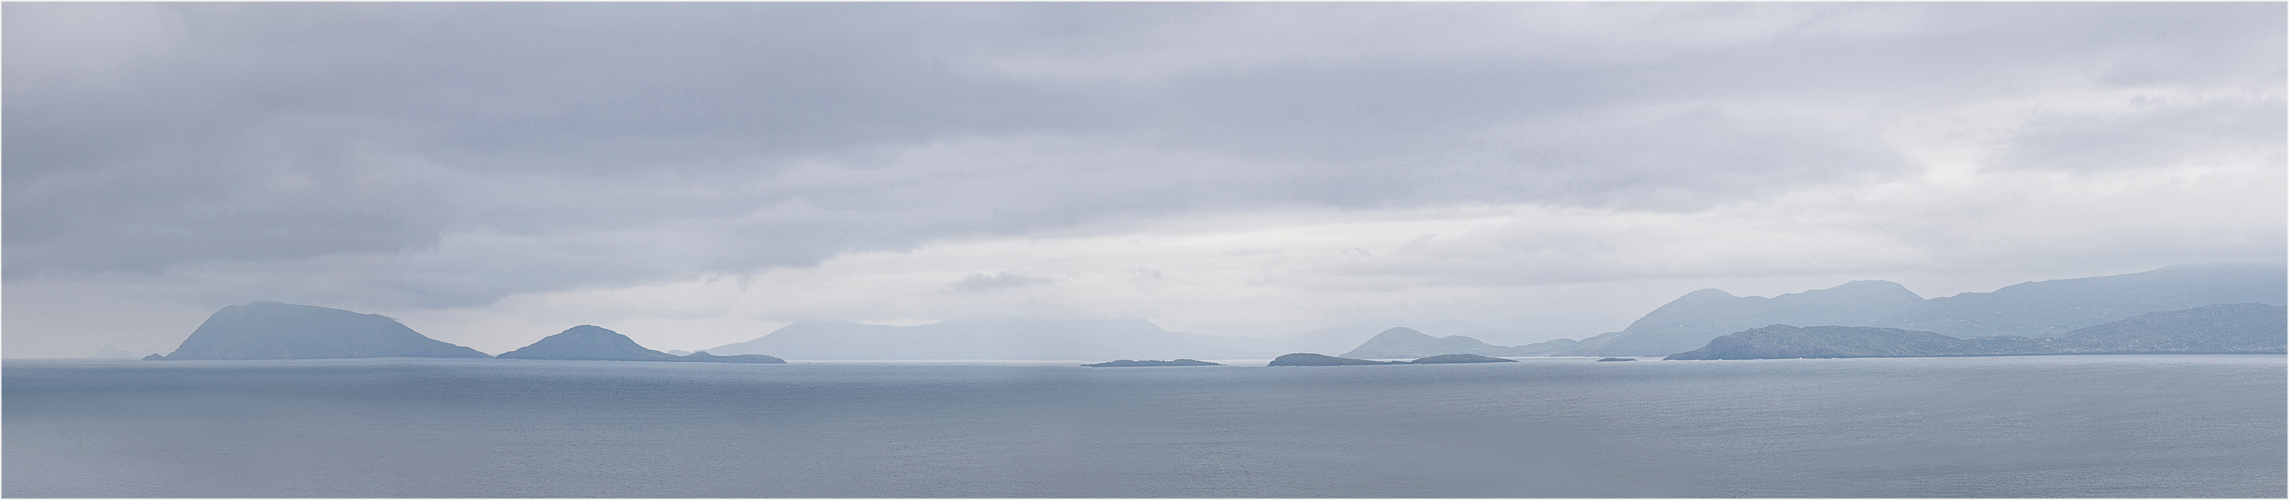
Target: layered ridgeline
<point>1353,335</point>
<point>1311,359</point>
<point>594,343</point>
<point>2035,309</point>
<point>272,330</point>
<point>2214,329</point>
<point>994,338</point>
<point>1131,363</point>
<point>1397,343</point>
<point>1040,338</point>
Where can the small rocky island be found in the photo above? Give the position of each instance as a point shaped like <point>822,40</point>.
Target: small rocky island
<point>1460,358</point>
<point>1310,359</point>
<point>1618,359</point>
<point>704,357</point>
<point>1125,363</point>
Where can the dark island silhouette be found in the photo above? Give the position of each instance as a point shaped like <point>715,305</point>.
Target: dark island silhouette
<point>2214,329</point>
<point>1617,359</point>
<point>273,330</point>
<point>1459,358</point>
<point>1310,359</point>
<point>1125,363</point>
<point>704,357</point>
<point>594,343</point>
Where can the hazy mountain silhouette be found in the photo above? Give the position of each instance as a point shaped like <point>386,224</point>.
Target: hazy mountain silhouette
<point>702,357</point>
<point>1311,359</point>
<point>272,330</point>
<point>1783,341</point>
<point>1690,321</point>
<point>1131,363</point>
<point>594,343</point>
<point>994,338</point>
<point>109,352</point>
<point>2214,329</point>
<point>1039,338</point>
<point>2033,309</point>
<point>1459,358</point>
<point>1408,343</point>
<point>1351,335</point>
<point>2052,308</point>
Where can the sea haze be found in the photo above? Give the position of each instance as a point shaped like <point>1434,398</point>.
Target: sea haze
<point>2065,426</point>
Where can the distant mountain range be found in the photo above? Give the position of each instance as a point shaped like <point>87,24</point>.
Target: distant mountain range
<point>1039,338</point>
<point>2213,329</point>
<point>1310,359</point>
<point>1131,363</point>
<point>594,343</point>
<point>2033,309</point>
<point>272,330</point>
<point>1349,336</point>
<point>1397,343</point>
<point>994,338</point>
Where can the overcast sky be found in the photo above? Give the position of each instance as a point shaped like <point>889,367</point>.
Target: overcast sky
<point>694,175</point>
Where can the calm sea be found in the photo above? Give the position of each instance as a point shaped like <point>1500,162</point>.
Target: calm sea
<point>2061,426</point>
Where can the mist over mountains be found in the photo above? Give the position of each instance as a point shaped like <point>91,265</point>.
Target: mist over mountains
<point>993,338</point>
<point>2033,309</point>
<point>595,343</point>
<point>2029,311</point>
<point>1349,336</point>
<point>1044,338</point>
<point>2212,329</point>
<point>1408,343</point>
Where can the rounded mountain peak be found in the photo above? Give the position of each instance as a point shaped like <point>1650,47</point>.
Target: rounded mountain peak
<point>1706,293</point>
<point>1402,331</point>
<point>590,331</point>
<point>277,330</point>
<point>1870,289</point>
<point>587,342</point>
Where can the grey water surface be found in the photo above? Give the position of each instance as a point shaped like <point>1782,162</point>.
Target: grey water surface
<point>2055,426</point>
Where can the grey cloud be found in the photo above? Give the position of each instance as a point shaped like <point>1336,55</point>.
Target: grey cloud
<point>981,282</point>
<point>450,154</point>
<point>2149,137</point>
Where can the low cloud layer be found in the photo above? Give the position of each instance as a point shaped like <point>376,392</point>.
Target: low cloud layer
<point>493,172</point>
